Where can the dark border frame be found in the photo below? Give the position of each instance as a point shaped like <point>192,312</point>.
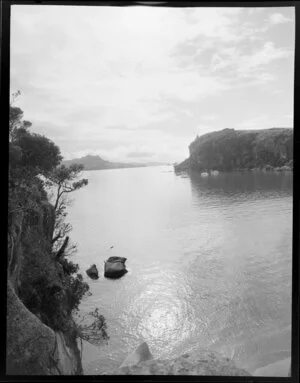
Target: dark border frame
<point>5,13</point>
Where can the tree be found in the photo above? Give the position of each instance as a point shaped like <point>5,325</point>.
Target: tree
<point>16,122</point>
<point>92,328</point>
<point>39,153</point>
<point>62,181</point>
<point>29,150</point>
<point>29,155</point>
<point>51,291</point>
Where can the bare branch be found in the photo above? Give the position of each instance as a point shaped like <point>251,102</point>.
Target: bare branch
<point>62,249</point>
<point>58,236</point>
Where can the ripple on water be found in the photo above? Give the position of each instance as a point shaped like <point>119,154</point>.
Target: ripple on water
<point>209,263</point>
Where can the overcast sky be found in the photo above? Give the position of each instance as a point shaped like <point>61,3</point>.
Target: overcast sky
<point>139,83</point>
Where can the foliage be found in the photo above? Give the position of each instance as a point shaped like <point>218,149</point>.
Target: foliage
<point>76,289</point>
<point>69,267</point>
<point>92,329</point>
<point>16,122</point>
<point>231,149</point>
<point>49,287</point>
<point>61,181</point>
<point>29,151</point>
<point>39,153</point>
<point>25,193</point>
<point>61,228</point>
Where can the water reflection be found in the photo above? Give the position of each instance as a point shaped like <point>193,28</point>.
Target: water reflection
<point>209,262</point>
<point>237,185</point>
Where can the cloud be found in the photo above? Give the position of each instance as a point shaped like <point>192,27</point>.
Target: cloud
<point>249,66</point>
<point>260,122</point>
<point>253,123</point>
<point>278,18</point>
<point>252,11</point>
<point>210,117</point>
<point>120,127</point>
<point>202,129</point>
<point>106,79</point>
<point>139,155</point>
<point>262,57</point>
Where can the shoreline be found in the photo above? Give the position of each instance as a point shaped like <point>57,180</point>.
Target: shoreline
<point>279,368</point>
<point>278,170</point>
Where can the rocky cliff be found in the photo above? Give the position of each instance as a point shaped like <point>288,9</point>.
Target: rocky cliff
<point>230,149</point>
<point>34,348</point>
<point>39,339</point>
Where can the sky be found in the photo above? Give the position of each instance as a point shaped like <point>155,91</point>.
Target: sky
<point>138,84</point>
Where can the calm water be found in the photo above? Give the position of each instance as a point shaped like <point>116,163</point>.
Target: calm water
<point>209,260</point>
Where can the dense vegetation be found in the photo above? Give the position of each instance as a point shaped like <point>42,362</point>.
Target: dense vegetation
<point>230,149</point>
<point>47,282</point>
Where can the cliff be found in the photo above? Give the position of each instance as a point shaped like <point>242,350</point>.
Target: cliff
<point>40,336</point>
<point>230,149</point>
<point>34,348</point>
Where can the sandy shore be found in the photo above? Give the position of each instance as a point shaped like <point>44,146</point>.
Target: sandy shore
<point>279,368</point>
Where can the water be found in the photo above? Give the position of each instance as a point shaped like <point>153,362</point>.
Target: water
<point>209,260</point>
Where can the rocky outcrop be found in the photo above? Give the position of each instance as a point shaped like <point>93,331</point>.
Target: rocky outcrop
<point>67,357</point>
<point>141,354</point>
<point>200,363</point>
<point>39,340</point>
<point>115,267</point>
<point>30,344</point>
<point>34,348</point>
<point>15,253</point>
<point>28,235</point>
<point>92,272</point>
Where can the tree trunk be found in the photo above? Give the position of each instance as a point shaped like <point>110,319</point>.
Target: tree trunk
<point>62,249</point>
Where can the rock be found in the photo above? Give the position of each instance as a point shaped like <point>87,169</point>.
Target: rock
<point>214,172</point>
<point>200,363</point>
<point>30,343</point>
<point>92,272</point>
<point>141,354</point>
<point>33,348</point>
<point>115,267</point>
<point>65,357</point>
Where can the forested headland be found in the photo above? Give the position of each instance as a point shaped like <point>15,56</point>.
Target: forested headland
<point>236,150</point>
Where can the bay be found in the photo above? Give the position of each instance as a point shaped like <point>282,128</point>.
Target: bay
<point>209,261</point>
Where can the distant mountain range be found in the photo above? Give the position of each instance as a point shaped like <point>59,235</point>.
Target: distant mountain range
<point>97,163</point>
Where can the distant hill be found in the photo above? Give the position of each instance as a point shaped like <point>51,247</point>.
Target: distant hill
<point>97,163</point>
<point>230,149</point>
